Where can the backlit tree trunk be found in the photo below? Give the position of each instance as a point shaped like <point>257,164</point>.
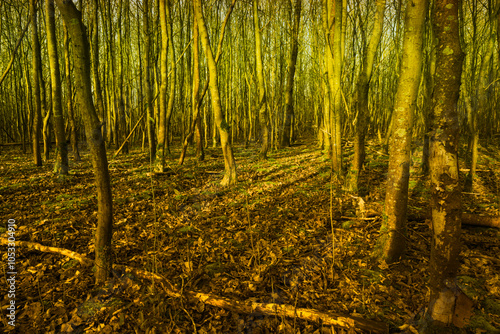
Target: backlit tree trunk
<point>61,166</point>
<point>147,81</point>
<point>81,53</point>
<point>391,243</point>
<point>162,127</point>
<point>361,101</point>
<point>229,162</point>
<point>36,69</point>
<point>292,61</point>
<point>482,106</point>
<point>446,195</point>
<point>332,25</point>
<point>171,96</point>
<point>262,103</point>
<point>69,88</point>
<point>99,100</point>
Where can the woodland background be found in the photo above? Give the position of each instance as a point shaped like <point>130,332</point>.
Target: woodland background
<point>321,155</point>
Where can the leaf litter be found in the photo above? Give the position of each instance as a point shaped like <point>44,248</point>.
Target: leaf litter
<point>267,240</point>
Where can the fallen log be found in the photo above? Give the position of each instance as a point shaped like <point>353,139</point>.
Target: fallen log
<point>477,220</point>
<point>467,219</point>
<point>247,307</point>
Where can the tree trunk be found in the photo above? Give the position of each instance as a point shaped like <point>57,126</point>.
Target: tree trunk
<point>445,189</point>
<point>121,119</point>
<point>69,88</point>
<point>482,103</point>
<point>392,243</point>
<point>332,25</point>
<point>61,166</point>
<point>292,61</point>
<point>147,81</point>
<point>36,69</point>
<point>430,70</point>
<point>262,103</point>
<point>162,127</point>
<point>77,31</point>
<point>195,128</point>
<point>95,67</point>
<point>171,97</point>
<point>361,99</point>
<point>230,176</point>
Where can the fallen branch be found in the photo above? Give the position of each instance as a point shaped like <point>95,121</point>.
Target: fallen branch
<point>248,307</point>
<point>47,249</point>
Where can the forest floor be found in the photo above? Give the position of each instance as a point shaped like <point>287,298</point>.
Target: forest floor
<point>278,236</point>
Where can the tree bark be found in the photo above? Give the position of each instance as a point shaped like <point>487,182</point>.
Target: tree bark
<point>445,190</point>
<point>230,176</point>
<point>482,101</point>
<point>69,88</point>
<point>259,69</point>
<point>36,69</point>
<point>195,127</point>
<point>361,99</point>
<point>147,81</point>
<point>81,52</point>
<point>392,242</point>
<point>162,119</point>
<point>292,61</point>
<point>171,97</point>
<point>95,67</point>
<point>61,166</point>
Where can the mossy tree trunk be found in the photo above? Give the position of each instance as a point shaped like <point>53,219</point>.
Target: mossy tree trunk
<point>361,99</point>
<point>81,53</point>
<point>173,71</point>
<point>292,61</point>
<point>69,89</point>
<point>147,81</point>
<point>36,68</point>
<point>333,11</point>
<point>482,105</point>
<point>391,243</point>
<point>162,119</point>
<point>230,176</point>
<point>445,190</point>
<point>262,102</point>
<point>61,166</point>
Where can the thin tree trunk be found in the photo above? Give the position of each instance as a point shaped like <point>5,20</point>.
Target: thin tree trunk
<point>95,67</point>
<point>81,51</point>
<point>147,81</point>
<point>262,103</point>
<point>427,107</point>
<point>482,103</point>
<point>36,69</point>
<point>230,176</point>
<point>392,243</point>
<point>361,99</point>
<point>162,127</point>
<point>69,88</point>
<point>292,61</point>
<point>61,166</point>
<point>195,101</point>
<point>121,120</point>
<point>171,97</point>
